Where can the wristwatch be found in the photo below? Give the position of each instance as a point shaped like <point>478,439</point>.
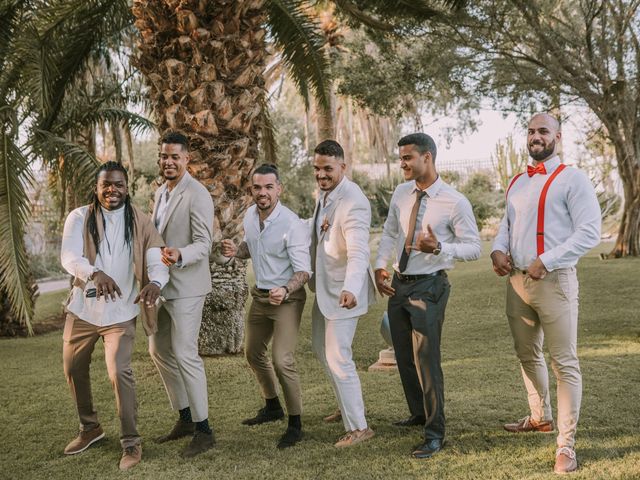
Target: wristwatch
<point>438,249</point>
<point>286,295</point>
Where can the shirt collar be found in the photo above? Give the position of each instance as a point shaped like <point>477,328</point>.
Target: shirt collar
<point>272,216</point>
<point>112,213</point>
<point>333,193</point>
<point>551,164</point>
<point>432,190</point>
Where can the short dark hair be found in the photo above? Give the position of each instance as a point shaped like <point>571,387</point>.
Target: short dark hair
<point>267,169</point>
<point>423,143</point>
<point>177,138</point>
<point>330,148</point>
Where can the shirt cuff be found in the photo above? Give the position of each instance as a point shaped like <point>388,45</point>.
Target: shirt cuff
<point>548,261</point>
<point>447,249</point>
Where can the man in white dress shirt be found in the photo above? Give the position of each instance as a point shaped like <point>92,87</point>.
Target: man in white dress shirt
<point>552,219</point>
<point>430,225</point>
<point>277,242</point>
<point>342,282</point>
<point>109,247</point>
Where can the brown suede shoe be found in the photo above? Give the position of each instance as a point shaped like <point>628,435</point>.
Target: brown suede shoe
<point>131,456</point>
<point>334,417</point>
<point>201,442</point>
<point>84,440</point>
<point>180,429</point>
<point>528,424</point>
<point>354,437</point>
<point>566,461</point>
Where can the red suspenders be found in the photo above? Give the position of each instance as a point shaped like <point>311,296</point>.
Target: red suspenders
<point>541,204</point>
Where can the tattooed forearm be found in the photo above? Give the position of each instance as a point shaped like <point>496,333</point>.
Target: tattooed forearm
<point>297,281</point>
<point>243,251</point>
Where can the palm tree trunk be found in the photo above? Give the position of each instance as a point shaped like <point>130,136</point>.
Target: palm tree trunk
<point>204,63</point>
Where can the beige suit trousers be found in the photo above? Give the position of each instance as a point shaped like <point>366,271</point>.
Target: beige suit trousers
<point>174,350</point>
<point>548,309</point>
<point>79,339</point>
<point>280,323</point>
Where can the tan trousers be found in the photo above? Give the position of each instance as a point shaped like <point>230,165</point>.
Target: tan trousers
<point>80,338</point>
<point>280,323</point>
<point>548,308</point>
<point>174,350</point>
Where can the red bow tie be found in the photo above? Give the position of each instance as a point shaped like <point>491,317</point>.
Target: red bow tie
<point>531,171</point>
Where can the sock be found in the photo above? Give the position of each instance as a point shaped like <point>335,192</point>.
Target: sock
<point>273,403</point>
<point>203,426</point>
<point>295,422</point>
<point>185,415</point>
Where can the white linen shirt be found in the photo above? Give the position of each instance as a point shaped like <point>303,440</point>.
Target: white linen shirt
<point>572,219</point>
<point>450,216</point>
<point>115,259</point>
<point>281,249</point>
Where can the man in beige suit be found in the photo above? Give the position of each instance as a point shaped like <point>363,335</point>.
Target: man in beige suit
<point>342,282</point>
<point>183,214</point>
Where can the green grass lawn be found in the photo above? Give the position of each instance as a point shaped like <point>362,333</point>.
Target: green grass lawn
<point>483,390</point>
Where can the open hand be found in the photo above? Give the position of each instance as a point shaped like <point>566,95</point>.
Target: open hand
<point>382,283</point>
<point>170,256</point>
<point>501,263</point>
<point>149,294</point>
<point>105,285</point>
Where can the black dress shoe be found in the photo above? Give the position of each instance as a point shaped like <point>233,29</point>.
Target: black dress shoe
<point>428,448</point>
<point>180,429</point>
<point>412,421</point>
<point>290,438</point>
<point>265,415</point>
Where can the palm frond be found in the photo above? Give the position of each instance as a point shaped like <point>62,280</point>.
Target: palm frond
<point>295,35</point>
<point>269,144</point>
<point>14,211</point>
<point>137,123</point>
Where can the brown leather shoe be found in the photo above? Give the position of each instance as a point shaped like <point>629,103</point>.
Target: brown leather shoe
<point>131,456</point>
<point>354,437</point>
<point>334,417</point>
<point>200,443</point>
<point>566,461</point>
<point>180,429</point>
<point>528,424</point>
<point>84,440</point>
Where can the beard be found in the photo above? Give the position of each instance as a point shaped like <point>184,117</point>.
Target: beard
<point>544,153</point>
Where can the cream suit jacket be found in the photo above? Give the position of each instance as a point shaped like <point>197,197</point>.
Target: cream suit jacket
<point>187,225</point>
<point>342,253</point>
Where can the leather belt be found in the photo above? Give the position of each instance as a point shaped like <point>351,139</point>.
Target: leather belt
<point>263,290</point>
<point>413,278</point>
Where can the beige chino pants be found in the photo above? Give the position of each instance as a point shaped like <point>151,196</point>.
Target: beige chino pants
<point>80,338</point>
<point>548,309</point>
<point>280,323</point>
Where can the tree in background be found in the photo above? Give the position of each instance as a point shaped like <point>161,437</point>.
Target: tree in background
<point>46,51</point>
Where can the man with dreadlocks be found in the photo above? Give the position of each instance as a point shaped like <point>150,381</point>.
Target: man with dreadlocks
<point>113,251</point>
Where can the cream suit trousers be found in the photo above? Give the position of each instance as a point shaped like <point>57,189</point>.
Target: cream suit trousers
<point>174,350</point>
<point>331,341</point>
<point>548,309</point>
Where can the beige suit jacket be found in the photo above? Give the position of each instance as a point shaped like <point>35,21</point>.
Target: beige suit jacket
<point>187,225</point>
<point>342,253</point>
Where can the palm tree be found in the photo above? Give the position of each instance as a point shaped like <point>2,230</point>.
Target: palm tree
<point>47,49</point>
<point>205,63</point>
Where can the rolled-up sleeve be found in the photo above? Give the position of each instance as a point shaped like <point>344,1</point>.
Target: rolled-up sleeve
<point>298,247</point>
<point>156,270</point>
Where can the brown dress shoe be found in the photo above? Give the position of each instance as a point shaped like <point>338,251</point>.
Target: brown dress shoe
<point>180,429</point>
<point>528,424</point>
<point>200,443</point>
<point>354,437</point>
<point>566,461</point>
<point>334,417</point>
<point>131,456</point>
<point>84,440</point>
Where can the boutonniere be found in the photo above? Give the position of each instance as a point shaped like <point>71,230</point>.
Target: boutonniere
<point>325,225</point>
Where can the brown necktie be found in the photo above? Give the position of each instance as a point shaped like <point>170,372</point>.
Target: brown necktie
<point>408,242</point>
